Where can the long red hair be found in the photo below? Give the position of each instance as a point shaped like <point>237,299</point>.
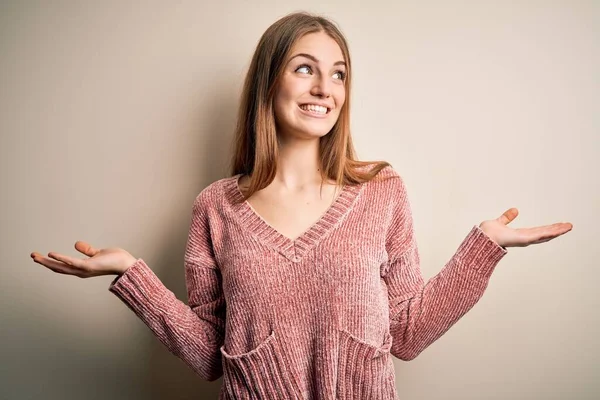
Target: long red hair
<point>255,141</point>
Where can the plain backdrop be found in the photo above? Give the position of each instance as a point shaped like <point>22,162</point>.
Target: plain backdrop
<point>114,115</point>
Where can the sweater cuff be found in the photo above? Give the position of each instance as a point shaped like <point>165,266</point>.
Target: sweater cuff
<point>138,286</point>
<point>479,252</point>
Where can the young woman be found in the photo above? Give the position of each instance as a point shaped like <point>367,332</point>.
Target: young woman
<point>302,268</point>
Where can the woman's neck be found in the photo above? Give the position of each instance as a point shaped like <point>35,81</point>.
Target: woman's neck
<point>298,165</point>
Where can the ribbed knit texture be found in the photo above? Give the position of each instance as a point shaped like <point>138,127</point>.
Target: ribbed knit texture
<point>318,317</point>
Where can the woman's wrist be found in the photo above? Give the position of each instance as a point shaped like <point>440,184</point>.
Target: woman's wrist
<point>489,234</point>
<point>130,261</point>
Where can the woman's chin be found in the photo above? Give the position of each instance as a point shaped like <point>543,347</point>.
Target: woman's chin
<point>305,131</point>
<point>314,135</point>
<point>315,132</point>
<point>304,135</point>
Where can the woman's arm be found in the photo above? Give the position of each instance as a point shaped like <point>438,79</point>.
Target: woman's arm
<point>193,332</point>
<point>422,312</point>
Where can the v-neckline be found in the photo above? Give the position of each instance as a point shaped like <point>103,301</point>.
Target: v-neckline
<point>292,249</point>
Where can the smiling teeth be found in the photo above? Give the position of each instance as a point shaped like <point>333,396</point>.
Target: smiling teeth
<point>314,108</point>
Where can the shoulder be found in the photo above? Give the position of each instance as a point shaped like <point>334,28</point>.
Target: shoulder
<point>386,177</point>
<point>388,172</point>
<point>388,186</point>
<point>383,168</point>
<point>215,192</point>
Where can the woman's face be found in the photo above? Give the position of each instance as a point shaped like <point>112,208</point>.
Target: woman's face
<point>311,91</point>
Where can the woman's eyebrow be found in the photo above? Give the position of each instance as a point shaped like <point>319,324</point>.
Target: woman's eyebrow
<point>315,59</point>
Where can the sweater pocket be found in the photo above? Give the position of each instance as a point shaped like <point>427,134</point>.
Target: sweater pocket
<point>365,371</point>
<point>261,373</point>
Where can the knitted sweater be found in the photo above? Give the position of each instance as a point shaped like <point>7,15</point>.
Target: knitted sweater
<point>318,317</point>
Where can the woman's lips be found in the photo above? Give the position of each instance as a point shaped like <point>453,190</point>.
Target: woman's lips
<point>314,114</point>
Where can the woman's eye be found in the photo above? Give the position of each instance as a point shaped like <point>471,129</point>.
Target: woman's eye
<point>303,67</point>
<point>341,75</point>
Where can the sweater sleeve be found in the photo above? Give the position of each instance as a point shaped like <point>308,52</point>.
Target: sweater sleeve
<point>193,332</point>
<point>422,312</point>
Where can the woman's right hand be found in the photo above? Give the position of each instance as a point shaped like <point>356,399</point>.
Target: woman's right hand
<point>111,261</point>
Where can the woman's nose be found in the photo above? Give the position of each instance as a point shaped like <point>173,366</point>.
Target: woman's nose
<point>321,87</point>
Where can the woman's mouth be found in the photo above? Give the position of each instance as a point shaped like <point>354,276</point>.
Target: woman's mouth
<point>315,110</point>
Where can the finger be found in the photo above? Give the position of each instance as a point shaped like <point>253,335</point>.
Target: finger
<point>542,234</point>
<point>554,229</point>
<point>508,216</point>
<point>542,240</point>
<point>75,262</point>
<point>35,254</point>
<point>85,248</point>
<point>55,266</point>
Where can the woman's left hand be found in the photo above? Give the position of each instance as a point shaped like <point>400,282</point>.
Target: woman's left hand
<point>497,230</point>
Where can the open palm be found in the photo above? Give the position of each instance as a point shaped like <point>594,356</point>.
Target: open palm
<point>111,261</point>
<point>498,230</point>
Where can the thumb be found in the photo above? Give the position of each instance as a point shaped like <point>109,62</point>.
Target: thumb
<point>508,216</point>
<point>85,248</point>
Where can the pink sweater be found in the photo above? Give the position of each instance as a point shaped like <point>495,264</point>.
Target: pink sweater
<point>318,317</point>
